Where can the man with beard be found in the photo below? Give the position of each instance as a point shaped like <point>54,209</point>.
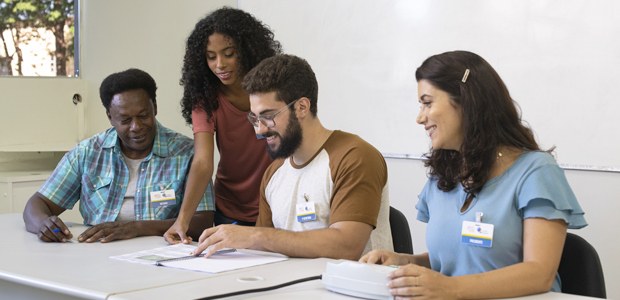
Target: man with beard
<point>325,194</point>
<point>129,180</point>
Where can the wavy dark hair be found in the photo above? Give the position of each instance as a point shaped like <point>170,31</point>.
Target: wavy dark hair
<point>291,77</point>
<point>490,119</point>
<point>130,79</point>
<point>253,40</point>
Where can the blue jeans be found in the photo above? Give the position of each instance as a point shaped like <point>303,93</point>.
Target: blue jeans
<point>222,219</point>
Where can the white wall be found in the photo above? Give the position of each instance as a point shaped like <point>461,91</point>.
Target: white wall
<point>114,35</point>
<point>365,53</point>
<point>146,34</point>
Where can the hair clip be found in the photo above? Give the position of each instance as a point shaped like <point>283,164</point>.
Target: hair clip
<point>464,80</point>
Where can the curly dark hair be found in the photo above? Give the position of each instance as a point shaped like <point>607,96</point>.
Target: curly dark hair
<point>253,40</point>
<point>490,119</point>
<point>291,77</point>
<point>127,80</point>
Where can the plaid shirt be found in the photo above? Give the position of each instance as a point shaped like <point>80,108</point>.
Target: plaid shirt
<point>95,173</point>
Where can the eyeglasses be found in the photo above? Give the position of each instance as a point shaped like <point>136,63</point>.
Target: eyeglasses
<point>268,119</point>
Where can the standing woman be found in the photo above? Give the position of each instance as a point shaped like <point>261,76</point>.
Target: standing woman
<point>497,207</point>
<point>221,49</point>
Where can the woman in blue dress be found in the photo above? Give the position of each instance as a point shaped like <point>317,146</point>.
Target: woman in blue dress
<point>497,207</point>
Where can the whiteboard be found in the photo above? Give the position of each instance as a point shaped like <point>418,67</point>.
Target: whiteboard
<point>559,58</point>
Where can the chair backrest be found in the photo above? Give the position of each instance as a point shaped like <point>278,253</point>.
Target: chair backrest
<point>401,235</point>
<point>580,268</point>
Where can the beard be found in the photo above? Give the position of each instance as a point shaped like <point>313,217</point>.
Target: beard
<point>289,142</point>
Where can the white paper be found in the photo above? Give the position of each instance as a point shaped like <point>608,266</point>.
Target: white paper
<point>242,258</point>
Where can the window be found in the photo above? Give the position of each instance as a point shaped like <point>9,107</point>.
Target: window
<point>39,38</point>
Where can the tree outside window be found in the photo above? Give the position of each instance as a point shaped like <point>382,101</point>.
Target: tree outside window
<point>37,38</point>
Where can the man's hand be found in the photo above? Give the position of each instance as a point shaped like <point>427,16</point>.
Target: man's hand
<point>225,236</point>
<point>53,229</point>
<point>111,231</point>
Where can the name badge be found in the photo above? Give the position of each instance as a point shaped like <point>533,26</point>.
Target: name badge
<point>163,198</point>
<point>477,234</point>
<point>306,212</point>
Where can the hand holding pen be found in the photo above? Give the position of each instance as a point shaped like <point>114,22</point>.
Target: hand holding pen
<point>54,229</point>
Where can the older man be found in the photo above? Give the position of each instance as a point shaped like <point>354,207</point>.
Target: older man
<point>129,179</point>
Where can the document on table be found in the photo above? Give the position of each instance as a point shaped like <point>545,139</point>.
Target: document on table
<point>225,261</point>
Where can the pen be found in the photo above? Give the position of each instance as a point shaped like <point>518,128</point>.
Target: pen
<point>223,251</point>
<point>57,230</point>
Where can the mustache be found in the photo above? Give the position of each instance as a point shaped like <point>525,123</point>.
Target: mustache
<point>270,133</point>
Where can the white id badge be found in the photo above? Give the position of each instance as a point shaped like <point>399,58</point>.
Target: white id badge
<point>163,198</point>
<point>306,212</point>
<point>477,234</point>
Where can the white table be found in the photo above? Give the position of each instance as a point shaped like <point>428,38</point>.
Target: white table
<point>263,276</point>
<point>31,269</point>
<point>272,275</point>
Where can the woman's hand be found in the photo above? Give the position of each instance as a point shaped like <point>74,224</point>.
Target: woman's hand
<point>177,233</point>
<point>422,283</point>
<point>383,257</point>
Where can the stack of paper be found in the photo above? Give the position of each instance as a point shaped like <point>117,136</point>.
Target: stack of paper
<point>225,261</point>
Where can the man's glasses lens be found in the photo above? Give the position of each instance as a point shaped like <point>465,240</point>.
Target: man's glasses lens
<point>267,120</point>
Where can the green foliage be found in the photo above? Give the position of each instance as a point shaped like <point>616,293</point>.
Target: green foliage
<point>51,14</point>
<point>24,7</point>
<point>35,13</point>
